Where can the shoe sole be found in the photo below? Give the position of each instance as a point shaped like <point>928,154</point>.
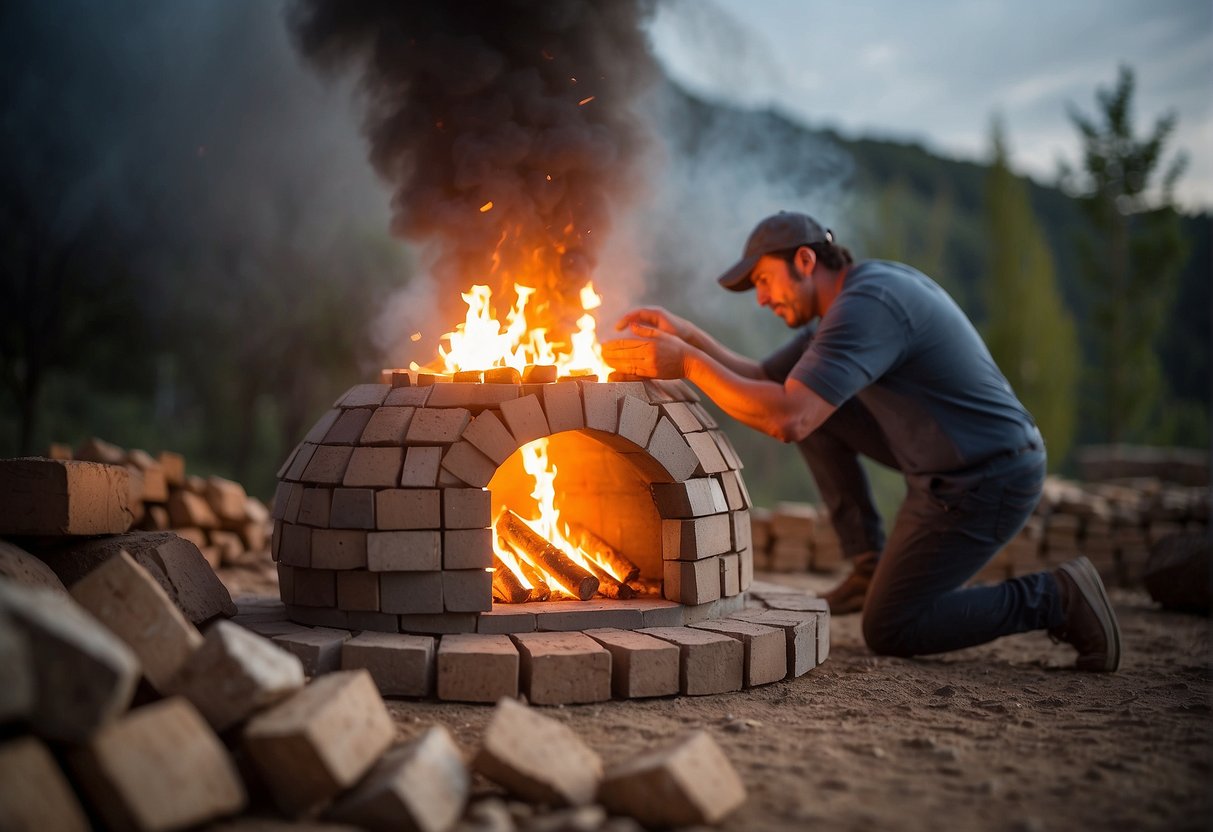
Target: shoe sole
<point>1087,579</point>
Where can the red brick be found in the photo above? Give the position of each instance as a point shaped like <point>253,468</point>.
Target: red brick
<point>490,437</point>
<point>800,631</point>
<point>408,508</point>
<point>563,668</point>
<point>387,426</point>
<point>466,508</point>
<point>410,592</point>
<point>302,459</point>
<point>412,551</point>
<point>692,498</point>
<point>421,465</point>
<point>710,460</point>
<point>347,430</point>
<point>766,658</point>
<point>358,590</point>
<point>401,665</point>
<point>692,582</point>
<point>352,508</point>
<point>174,468</point>
<point>641,665</point>
<point>62,497</point>
<point>319,430</point>
<point>697,538</point>
<point>314,507</point>
<point>186,509</point>
<point>671,451</point>
<point>467,590</point>
<point>294,544</point>
<point>327,465</point>
<point>338,549</point>
<point>637,419</point>
<point>468,464</point>
<point>708,662</point>
<point>374,467</point>
<point>525,419</point>
<point>477,668</point>
<point>563,407</point>
<point>730,574</point>
<point>364,395</point>
<point>155,485</point>
<point>313,587</point>
<point>437,426</point>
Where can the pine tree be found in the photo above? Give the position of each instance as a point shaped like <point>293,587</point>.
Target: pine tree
<point>1130,257</point>
<point>1030,331</point>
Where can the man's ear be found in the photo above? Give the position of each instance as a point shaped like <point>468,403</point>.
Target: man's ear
<point>806,261</point>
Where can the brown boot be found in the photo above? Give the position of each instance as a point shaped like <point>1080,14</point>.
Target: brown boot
<point>1090,624</point>
<point>849,595</point>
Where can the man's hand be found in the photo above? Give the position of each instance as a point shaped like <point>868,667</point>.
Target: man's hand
<point>661,355</point>
<point>647,320</point>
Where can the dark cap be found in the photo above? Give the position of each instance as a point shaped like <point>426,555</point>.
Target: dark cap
<point>778,232</point>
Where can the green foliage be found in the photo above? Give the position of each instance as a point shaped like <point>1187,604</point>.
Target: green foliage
<point>1029,329</point>
<point>1130,256</point>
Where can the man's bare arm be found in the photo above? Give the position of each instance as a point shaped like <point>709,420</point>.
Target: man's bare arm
<point>646,321</point>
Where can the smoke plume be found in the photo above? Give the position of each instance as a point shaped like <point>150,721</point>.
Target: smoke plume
<point>505,128</point>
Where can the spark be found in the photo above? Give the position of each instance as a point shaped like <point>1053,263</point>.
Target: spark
<point>585,101</point>
<point>488,206</point>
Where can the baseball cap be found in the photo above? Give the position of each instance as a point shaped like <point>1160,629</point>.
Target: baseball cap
<point>778,232</point>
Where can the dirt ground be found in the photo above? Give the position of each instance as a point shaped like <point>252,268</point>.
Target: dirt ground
<point>999,737</point>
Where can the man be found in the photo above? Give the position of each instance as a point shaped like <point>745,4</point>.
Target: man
<point>896,372</point>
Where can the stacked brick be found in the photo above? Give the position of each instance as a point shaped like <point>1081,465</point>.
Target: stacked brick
<point>229,527</point>
<point>795,537</point>
<point>382,517</point>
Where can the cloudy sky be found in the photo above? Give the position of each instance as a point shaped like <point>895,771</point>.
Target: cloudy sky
<point>937,70</point>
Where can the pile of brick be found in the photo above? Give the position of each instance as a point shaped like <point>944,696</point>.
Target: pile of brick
<point>794,537</point>
<point>228,526</point>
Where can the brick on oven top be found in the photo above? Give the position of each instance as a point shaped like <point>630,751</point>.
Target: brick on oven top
<point>400,551</point>
<point>421,464</point>
<point>351,508</point>
<point>671,451</point>
<point>708,662</point>
<point>637,418</point>
<point>679,390</point>
<point>466,508</point>
<point>467,590</point>
<point>348,427</point>
<point>563,407</point>
<point>408,508</point>
<point>710,459</point>
<point>696,538</point>
<point>540,374</point>
<point>473,396</point>
<point>364,395</point>
<point>303,458</point>
<point>469,465</point>
<point>407,397</point>
<point>374,467</point>
<point>338,549</point>
<point>491,437</point>
<point>734,490</point>
<point>295,548</point>
<point>691,498</point>
<point>681,415</point>
<point>467,548</point>
<point>289,461</point>
<point>727,450</point>
<point>358,590</point>
<point>437,426</point>
<point>525,419</point>
<point>314,507</point>
<point>410,592</point>
<point>321,428</point>
<point>702,414</point>
<point>387,426</point>
<point>601,405</point>
<point>477,668</point>
<point>692,581</point>
<point>327,465</point>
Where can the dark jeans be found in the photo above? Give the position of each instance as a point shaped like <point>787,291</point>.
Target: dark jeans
<point>948,528</point>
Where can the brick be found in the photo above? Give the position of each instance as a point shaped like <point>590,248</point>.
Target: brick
<point>710,459</point>
<point>127,600</point>
<point>421,466</point>
<point>317,648</point>
<point>467,590</point>
<point>99,451</point>
<point>735,492</point>
<point>321,741</point>
<point>226,498</point>
<point>374,467</point>
<point>236,673</point>
<point>295,545</point>
<point>502,619</point>
<point>358,590</point>
<point>408,508</point>
<point>682,416</point>
<point>159,768</point>
<point>692,498</point>
<point>410,592</point>
<point>339,549</point>
<point>348,428</point>
<point>800,633</point>
<point>294,503</point>
<point>469,465</point>
<point>444,623</point>
<point>692,582</point>
<point>563,668</point>
<point>401,665</point>
<point>473,396</point>
<point>186,509</point>
<point>364,395</point>
<point>155,486</point>
<point>701,413</point>
<point>602,405</point>
<point>68,643</point>
<point>387,426</point>
<point>437,426</point>
<point>726,449</point>
<point>467,549</point>
<point>315,506</point>
<point>411,551</point>
<point>327,465</point>
<point>20,567</point>
<point>558,616</point>
<point>793,521</point>
<point>174,468</point>
<point>282,493</point>
<point>730,574</point>
<point>316,617</point>
<point>477,668</point>
<point>563,407</point>
<point>537,758</point>
<point>302,459</point>
<point>637,418</point>
<point>313,587</point>
<point>407,397</point>
<point>525,419</point>
<point>352,508</point>
<point>34,794</point>
<point>466,508</point>
<point>765,656</point>
<point>62,497</point>
<point>379,622</point>
<point>176,564</point>
<point>691,784</point>
<point>742,534</point>
<point>421,786</point>
<point>319,430</point>
<point>697,538</point>
<point>641,665</point>
<point>489,436</point>
<point>708,662</point>
<point>670,451</point>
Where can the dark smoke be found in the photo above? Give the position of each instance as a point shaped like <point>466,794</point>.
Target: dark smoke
<point>480,101</point>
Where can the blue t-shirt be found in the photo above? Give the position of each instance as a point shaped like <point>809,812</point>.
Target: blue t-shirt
<point>898,342</point>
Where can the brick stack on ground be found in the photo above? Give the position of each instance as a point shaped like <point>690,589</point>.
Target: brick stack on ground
<point>382,517</point>
<point>795,537</point>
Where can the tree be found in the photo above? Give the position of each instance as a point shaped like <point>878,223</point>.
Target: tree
<point>1030,331</point>
<point>1130,256</point>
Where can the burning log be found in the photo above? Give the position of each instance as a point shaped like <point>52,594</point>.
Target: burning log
<point>609,586</point>
<point>616,563</point>
<point>506,586</point>
<point>539,551</point>
<point>502,375</point>
<point>646,587</point>
<point>540,591</point>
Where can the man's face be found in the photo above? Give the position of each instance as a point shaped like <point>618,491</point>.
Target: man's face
<point>783,290</point>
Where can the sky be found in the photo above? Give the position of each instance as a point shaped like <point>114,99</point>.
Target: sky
<point>937,71</point>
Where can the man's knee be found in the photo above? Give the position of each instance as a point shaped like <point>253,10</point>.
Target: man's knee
<point>887,633</point>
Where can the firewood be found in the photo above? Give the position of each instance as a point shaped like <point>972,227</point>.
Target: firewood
<point>506,586</point>
<point>609,586</point>
<point>646,587</point>
<point>544,555</point>
<point>540,591</point>
<point>616,563</point>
